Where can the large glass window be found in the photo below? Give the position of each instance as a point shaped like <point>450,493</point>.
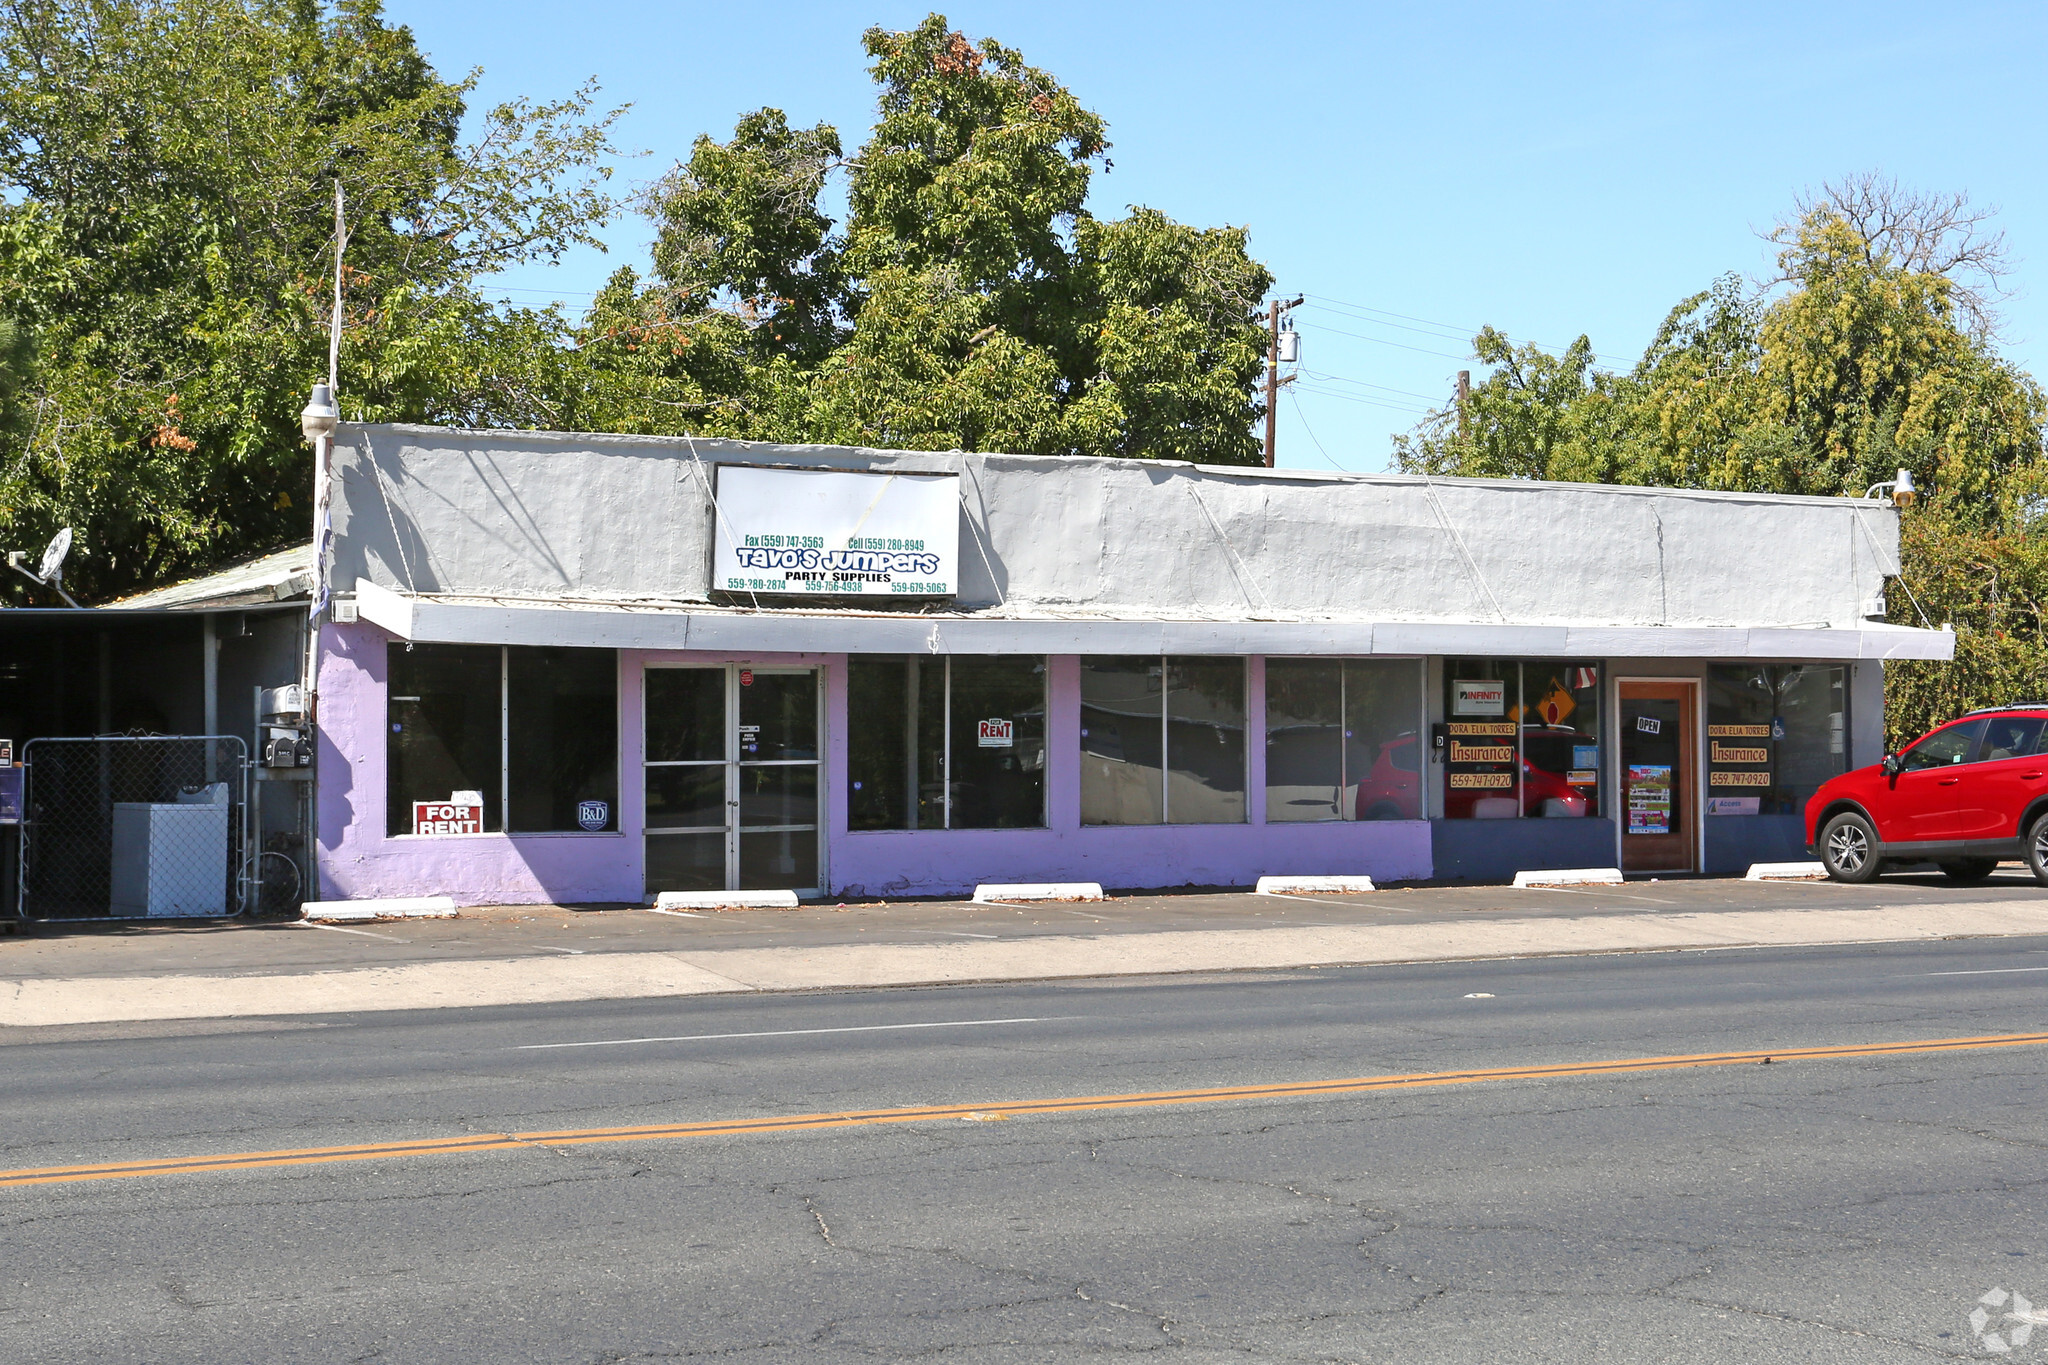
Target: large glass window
<point>446,711</point>
<point>1162,741</point>
<point>1522,738</point>
<point>532,731</point>
<point>562,738</point>
<point>1775,732</point>
<point>947,742</point>
<point>1343,739</point>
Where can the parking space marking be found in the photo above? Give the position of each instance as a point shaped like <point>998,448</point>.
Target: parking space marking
<point>1318,900</point>
<point>337,929</point>
<point>1571,891</point>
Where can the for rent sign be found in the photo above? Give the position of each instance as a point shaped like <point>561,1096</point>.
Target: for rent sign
<point>447,817</point>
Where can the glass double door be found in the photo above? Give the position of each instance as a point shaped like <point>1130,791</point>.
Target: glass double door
<point>731,776</point>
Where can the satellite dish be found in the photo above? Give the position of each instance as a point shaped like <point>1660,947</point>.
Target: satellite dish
<point>53,558</point>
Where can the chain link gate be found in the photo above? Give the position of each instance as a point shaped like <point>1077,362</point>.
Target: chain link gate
<point>134,827</point>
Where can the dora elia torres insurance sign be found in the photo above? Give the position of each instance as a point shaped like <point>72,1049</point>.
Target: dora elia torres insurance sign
<point>836,532</point>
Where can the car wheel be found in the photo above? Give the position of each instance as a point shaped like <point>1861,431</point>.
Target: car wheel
<point>1969,871</point>
<point>2037,850</point>
<point>1848,848</point>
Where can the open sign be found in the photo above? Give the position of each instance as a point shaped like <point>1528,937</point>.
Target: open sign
<point>998,734</point>
<point>447,817</point>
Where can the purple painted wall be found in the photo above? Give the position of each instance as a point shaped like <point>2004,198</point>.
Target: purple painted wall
<point>359,859</point>
<point>940,862</point>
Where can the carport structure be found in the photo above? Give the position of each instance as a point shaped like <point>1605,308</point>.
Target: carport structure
<point>116,701</point>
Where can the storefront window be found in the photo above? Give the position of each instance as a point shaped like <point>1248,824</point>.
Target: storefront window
<point>562,739</point>
<point>446,710</point>
<point>1162,741</point>
<point>1342,739</point>
<point>537,727</point>
<point>949,742</point>
<point>1775,732</point>
<point>1522,739</point>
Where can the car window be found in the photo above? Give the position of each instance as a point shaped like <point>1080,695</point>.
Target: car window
<point>2009,737</point>
<point>1954,744</point>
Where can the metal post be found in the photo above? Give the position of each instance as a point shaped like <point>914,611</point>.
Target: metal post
<point>505,739</point>
<point>946,777</point>
<point>910,737</point>
<point>209,673</point>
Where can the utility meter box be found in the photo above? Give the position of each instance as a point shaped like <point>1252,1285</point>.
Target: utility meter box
<point>171,857</point>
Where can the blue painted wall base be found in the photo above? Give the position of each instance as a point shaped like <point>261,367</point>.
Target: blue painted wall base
<point>1736,841</point>
<point>1495,850</point>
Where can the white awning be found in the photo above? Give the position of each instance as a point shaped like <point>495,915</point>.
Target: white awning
<point>682,626</point>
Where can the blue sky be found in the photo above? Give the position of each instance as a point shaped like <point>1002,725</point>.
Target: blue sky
<point>1417,171</point>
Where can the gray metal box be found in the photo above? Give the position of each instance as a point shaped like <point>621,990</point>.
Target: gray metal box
<point>171,859</point>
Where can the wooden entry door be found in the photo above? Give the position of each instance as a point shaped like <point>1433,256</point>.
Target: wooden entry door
<point>1660,806</point>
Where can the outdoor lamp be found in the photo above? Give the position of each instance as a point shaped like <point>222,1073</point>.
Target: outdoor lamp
<point>1902,490</point>
<point>320,416</point>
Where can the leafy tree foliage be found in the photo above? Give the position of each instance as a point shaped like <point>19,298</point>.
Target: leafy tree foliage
<point>165,249</point>
<point>1867,362</point>
<point>969,300</point>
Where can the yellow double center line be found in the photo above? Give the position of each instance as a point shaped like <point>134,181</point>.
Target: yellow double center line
<point>797,1123</point>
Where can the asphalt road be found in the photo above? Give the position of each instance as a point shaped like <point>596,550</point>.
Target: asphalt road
<point>1808,1210</point>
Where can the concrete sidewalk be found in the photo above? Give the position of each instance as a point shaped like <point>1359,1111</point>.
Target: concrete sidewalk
<point>515,956</point>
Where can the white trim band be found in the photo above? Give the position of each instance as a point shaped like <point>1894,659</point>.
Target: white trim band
<point>680,626</point>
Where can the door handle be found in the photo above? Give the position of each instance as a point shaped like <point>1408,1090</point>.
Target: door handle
<point>2030,777</point>
<point>1948,781</point>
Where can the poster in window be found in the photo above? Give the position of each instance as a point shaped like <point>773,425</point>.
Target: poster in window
<point>1478,697</point>
<point>1649,798</point>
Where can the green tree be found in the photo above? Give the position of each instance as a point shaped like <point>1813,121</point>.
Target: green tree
<point>969,300</point>
<point>1878,354</point>
<point>166,242</point>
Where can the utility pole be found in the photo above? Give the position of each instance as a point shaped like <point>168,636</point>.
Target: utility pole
<point>1464,392</point>
<point>1274,309</point>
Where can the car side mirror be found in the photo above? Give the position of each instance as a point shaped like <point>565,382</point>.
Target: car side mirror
<point>1893,765</point>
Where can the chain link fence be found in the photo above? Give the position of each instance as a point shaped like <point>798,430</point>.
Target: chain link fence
<point>134,827</point>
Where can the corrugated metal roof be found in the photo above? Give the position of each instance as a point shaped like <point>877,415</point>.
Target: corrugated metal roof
<point>264,581</point>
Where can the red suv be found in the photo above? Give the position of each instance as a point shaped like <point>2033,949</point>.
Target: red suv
<point>1962,797</point>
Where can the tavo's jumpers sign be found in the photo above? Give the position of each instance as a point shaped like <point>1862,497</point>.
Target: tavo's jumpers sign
<point>836,532</point>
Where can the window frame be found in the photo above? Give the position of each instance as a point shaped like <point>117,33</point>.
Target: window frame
<point>945,747</point>
<point>504,793</point>
<point>1342,663</point>
<point>1166,769</point>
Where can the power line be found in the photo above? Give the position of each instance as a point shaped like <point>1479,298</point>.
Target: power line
<point>1312,433</point>
<point>1368,402</point>
<point>1382,341</point>
<point>1452,332</point>
<point>1344,379</point>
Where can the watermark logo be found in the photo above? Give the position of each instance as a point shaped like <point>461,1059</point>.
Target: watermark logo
<point>2002,1322</point>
